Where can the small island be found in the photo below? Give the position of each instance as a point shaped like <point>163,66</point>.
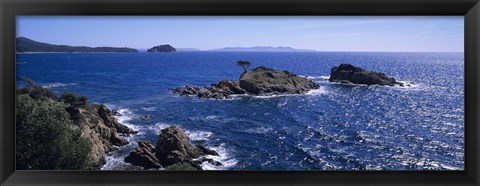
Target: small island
<point>25,45</point>
<point>162,48</point>
<point>349,74</point>
<point>261,81</point>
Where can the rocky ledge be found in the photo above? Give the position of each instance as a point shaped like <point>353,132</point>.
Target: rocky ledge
<point>260,81</point>
<point>98,125</point>
<point>349,74</point>
<point>173,147</point>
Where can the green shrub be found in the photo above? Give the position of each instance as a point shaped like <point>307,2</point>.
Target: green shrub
<point>45,137</point>
<point>35,91</point>
<point>183,166</point>
<point>73,100</point>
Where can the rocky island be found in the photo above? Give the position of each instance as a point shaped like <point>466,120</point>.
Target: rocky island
<point>261,81</point>
<point>24,44</point>
<point>172,148</point>
<point>349,74</point>
<point>162,48</point>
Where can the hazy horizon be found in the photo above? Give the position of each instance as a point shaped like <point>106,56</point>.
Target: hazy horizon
<point>320,33</point>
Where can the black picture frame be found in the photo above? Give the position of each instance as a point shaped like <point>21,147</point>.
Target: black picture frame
<point>470,9</point>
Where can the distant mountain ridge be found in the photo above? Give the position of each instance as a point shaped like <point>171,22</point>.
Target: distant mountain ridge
<point>24,44</point>
<point>262,49</point>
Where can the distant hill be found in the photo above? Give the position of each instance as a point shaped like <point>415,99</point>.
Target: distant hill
<point>162,48</point>
<point>27,45</point>
<point>262,49</point>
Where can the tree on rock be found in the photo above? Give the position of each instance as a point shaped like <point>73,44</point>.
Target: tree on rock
<point>244,64</point>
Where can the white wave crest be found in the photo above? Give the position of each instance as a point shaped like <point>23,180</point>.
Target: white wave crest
<point>57,84</point>
<point>198,135</point>
<point>125,116</point>
<point>224,158</point>
<point>149,108</point>
<point>158,127</point>
<point>259,130</point>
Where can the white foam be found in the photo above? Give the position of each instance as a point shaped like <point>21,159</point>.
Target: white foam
<point>317,77</point>
<point>56,84</point>
<point>198,135</point>
<point>259,130</point>
<point>125,116</point>
<point>158,127</point>
<point>315,92</point>
<point>224,158</point>
<point>149,108</point>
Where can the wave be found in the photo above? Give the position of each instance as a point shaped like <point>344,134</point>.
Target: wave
<point>158,127</point>
<point>198,135</point>
<point>224,158</point>
<point>57,84</point>
<point>125,115</point>
<point>149,108</point>
<point>193,135</point>
<point>259,130</point>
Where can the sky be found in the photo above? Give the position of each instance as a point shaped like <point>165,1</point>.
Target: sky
<point>322,33</point>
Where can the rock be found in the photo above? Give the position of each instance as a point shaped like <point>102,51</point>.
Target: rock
<point>99,126</point>
<point>116,140</point>
<point>162,48</point>
<point>187,90</point>
<point>207,151</point>
<point>174,146</point>
<point>346,73</point>
<point>259,81</point>
<point>266,81</point>
<point>147,117</point>
<point>229,86</point>
<point>144,156</point>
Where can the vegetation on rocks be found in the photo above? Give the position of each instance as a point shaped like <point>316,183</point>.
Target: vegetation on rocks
<point>65,133</point>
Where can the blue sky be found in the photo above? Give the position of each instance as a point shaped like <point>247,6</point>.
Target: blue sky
<point>323,33</point>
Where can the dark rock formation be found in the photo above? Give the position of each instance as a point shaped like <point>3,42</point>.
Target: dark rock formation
<point>98,125</point>
<point>173,147</point>
<point>259,81</point>
<point>144,156</point>
<point>346,73</point>
<point>162,48</point>
<point>266,81</point>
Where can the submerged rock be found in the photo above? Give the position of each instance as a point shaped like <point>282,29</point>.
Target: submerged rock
<point>349,74</point>
<point>259,81</point>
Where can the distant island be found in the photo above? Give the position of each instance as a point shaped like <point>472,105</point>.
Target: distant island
<point>261,49</point>
<point>162,48</point>
<point>24,44</point>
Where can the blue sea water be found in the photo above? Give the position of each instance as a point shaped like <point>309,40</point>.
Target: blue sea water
<point>337,127</point>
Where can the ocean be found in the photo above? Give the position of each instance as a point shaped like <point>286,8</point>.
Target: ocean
<point>337,127</point>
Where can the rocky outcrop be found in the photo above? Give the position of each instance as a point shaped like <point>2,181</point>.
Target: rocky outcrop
<point>349,74</point>
<point>259,81</point>
<point>98,125</point>
<point>173,146</point>
<point>162,48</point>
<point>144,156</point>
<point>266,81</point>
